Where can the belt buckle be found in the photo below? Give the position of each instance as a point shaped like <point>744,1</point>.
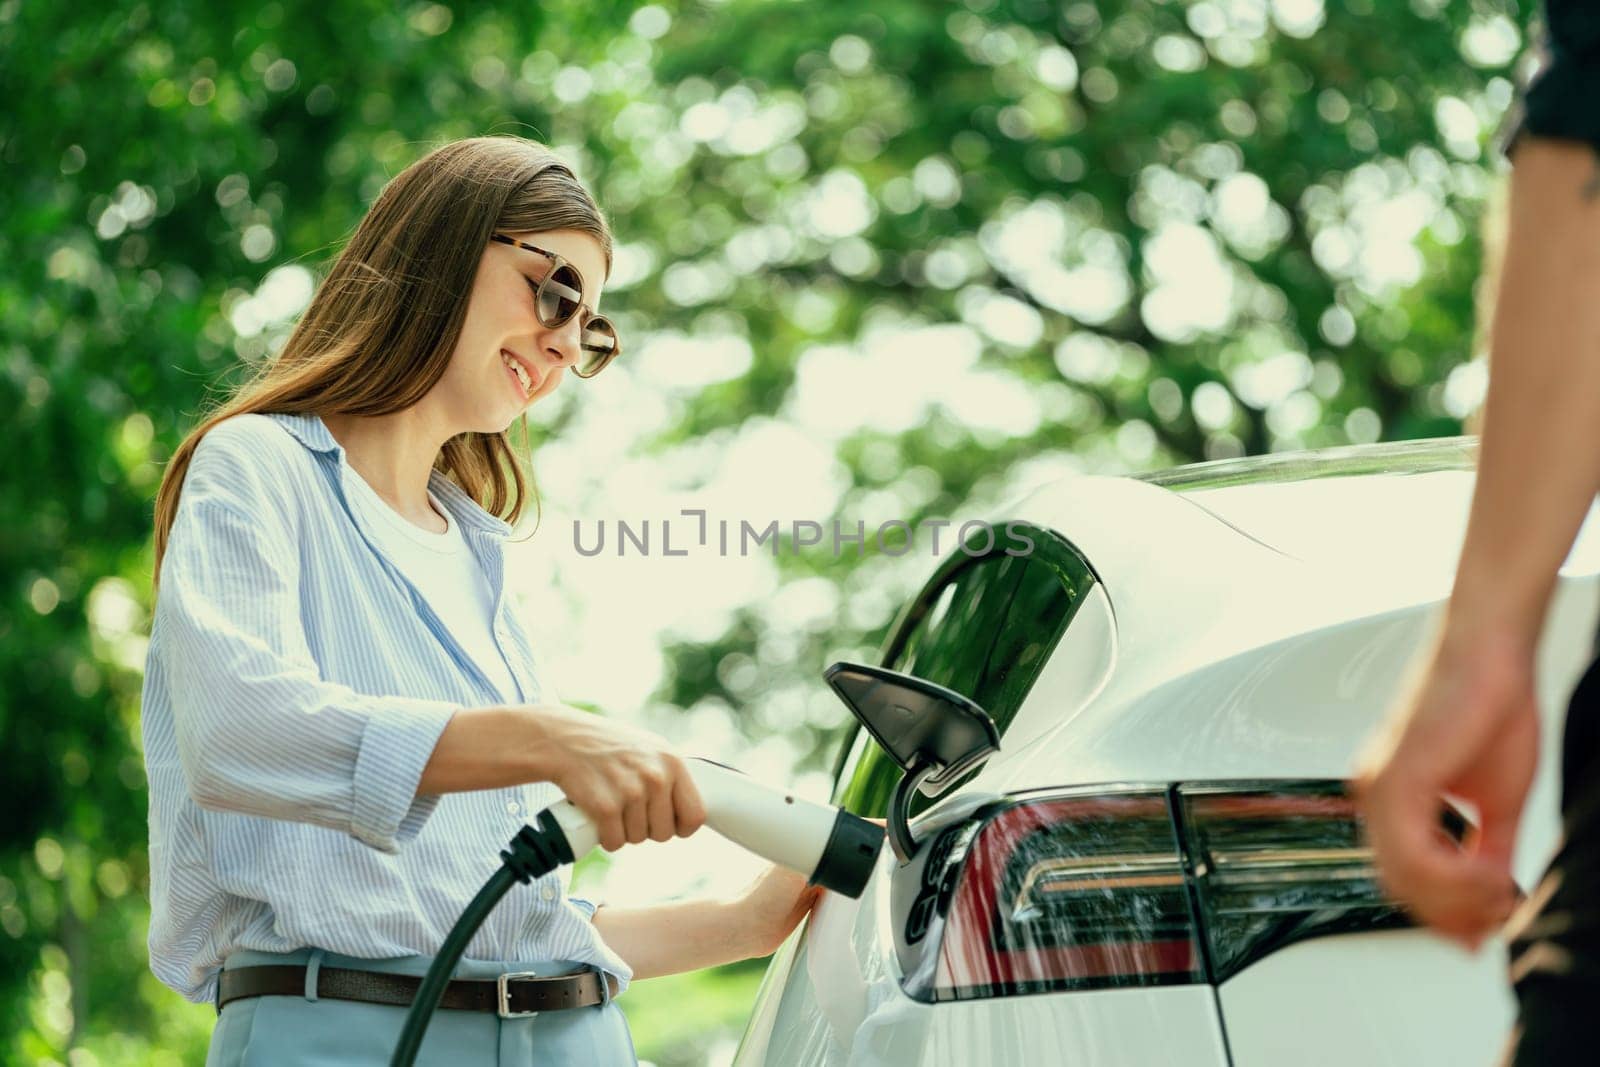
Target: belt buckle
<point>503,992</point>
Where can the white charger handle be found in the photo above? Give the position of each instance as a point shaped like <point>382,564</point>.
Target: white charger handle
<point>831,847</point>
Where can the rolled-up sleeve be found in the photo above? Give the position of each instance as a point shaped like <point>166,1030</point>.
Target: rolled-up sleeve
<point>259,730</point>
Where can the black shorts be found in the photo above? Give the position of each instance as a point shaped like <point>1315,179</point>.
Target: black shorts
<point>1555,937</point>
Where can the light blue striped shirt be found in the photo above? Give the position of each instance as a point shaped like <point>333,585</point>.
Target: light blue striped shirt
<point>295,687</point>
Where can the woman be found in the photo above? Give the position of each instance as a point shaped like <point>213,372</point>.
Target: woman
<point>343,720</point>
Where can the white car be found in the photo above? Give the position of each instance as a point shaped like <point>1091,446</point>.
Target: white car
<point>1160,864</point>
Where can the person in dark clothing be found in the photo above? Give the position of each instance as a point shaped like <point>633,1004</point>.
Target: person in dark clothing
<point>1468,723</point>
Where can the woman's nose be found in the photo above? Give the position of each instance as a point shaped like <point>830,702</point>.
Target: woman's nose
<point>564,342</point>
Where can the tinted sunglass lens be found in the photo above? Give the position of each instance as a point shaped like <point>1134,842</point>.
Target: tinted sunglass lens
<point>599,345</point>
<point>557,295</point>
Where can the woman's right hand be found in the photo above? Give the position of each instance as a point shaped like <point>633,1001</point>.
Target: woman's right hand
<point>629,782</point>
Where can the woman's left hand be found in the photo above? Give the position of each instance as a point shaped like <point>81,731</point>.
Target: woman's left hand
<point>772,907</point>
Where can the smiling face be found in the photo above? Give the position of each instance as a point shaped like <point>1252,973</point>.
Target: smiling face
<point>478,391</point>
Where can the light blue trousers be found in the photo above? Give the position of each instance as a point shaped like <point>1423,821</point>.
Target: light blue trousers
<point>305,1031</point>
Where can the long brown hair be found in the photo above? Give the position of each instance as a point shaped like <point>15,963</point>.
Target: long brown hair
<point>381,327</point>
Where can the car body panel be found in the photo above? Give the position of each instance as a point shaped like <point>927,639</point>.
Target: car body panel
<point>833,1008</point>
<point>1254,620</point>
<point>1323,1004</point>
<point>1259,664</point>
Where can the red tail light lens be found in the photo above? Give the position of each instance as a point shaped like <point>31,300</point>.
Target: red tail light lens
<point>1278,864</point>
<point>1070,892</point>
<point>1136,886</point>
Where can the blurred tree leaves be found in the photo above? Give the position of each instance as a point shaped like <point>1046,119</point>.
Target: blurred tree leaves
<point>1186,229</point>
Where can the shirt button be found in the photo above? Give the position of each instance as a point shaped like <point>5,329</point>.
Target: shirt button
<point>513,808</point>
<point>548,892</point>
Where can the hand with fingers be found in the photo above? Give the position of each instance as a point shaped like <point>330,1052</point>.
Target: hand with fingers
<point>1467,725</point>
<point>630,783</point>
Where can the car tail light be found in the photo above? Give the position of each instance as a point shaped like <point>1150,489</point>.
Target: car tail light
<point>1069,892</point>
<point>1275,864</point>
<point>1137,886</point>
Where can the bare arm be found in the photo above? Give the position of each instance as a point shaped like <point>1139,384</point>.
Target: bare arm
<point>628,781</point>
<point>691,934</point>
<point>670,938</point>
<point>1539,465</point>
<point>487,748</point>
<point>1467,723</point>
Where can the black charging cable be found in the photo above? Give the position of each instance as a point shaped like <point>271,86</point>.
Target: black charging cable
<point>533,853</point>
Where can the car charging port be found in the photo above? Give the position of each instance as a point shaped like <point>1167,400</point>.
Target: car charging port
<point>934,734</point>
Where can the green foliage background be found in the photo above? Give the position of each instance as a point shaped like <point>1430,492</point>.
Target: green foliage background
<point>160,158</point>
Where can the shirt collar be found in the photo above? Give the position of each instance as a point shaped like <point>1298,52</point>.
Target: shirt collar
<point>313,433</point>
<point>309,430</point>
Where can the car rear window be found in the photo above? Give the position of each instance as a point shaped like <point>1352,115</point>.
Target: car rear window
<point>984,626</point>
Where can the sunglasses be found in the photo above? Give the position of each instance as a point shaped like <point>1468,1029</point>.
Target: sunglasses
<point>559,296</point>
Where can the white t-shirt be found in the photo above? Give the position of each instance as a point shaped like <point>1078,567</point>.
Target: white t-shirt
<point>447,575</point>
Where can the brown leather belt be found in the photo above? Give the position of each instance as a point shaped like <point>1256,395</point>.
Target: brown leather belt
<point>509,995</point>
